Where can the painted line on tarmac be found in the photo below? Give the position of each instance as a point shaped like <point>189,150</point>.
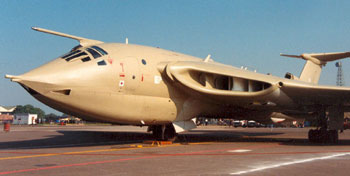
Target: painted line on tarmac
<point>289,163</point>
<point>71,165</point>
<point>89,151</point>
<point>120,160</point>
<point>66,153</point>
<point>75,145</point>
<point>239,151</point>
<point>231,153</point>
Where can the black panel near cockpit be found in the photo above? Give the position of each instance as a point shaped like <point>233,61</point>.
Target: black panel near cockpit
<point>94,51</point>
<point>76,56</point>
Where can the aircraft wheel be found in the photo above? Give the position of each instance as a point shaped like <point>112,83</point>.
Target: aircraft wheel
<point>164,132</point>
<point>312,135</point>
<point>157,132</point>
<point>316,136</point>
<point>323,136</point>
<point>333,136</point>
<point>169,133</point>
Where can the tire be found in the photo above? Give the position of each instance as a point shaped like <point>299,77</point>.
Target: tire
<point>169,133</point>
<point>312,136</point>
<point>333,136</point>
<point>157,132</point>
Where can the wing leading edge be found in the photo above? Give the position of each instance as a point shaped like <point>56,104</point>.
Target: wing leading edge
<point>310,94</point>
<point>81,40</point>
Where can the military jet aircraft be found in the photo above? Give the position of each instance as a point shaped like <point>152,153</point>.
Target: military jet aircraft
<point>131,84</point>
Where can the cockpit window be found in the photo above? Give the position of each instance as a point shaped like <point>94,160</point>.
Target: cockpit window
<point>75,56</point>
<point>94,53</point>
<point>86,59</point>
<point>102,62</point>
<point>103,52</point>
<point>70,54</point>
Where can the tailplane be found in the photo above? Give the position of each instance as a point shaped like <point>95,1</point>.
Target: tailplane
<point>314,63</point>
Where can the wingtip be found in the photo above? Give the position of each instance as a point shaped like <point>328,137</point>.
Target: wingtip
<point>13,78</point>
<point>9,76</point>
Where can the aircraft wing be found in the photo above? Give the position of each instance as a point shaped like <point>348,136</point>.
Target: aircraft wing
<point>234,86</point>
<point>310,94</point>
<point>81,40</point>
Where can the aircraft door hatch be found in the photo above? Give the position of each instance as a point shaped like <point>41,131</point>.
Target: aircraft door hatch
<point>129,74</point>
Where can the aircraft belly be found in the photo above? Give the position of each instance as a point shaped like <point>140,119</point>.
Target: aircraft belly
<point>120,108</point>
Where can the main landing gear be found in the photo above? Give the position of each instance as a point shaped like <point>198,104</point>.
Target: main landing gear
<point>323,136</point>
<point>326,133</point>
<point>163,132</point>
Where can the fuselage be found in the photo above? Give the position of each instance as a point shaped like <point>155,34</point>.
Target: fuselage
<point>128,84</point>
<point>122,85</point>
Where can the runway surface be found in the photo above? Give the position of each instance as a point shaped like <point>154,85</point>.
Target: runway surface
<point>207,150</point>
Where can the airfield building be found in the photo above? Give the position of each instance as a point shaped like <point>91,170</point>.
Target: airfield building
<point>25,119</point>
<point>6,113</point>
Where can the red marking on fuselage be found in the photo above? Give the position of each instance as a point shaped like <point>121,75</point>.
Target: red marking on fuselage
<point>142,78</point>
<point>110,60</point>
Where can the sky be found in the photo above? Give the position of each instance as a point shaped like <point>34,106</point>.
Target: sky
<point>248,33</point>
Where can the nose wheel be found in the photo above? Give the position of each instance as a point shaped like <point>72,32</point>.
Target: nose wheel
<point>163,132</point>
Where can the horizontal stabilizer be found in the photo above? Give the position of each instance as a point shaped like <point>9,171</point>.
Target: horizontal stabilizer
<point>320,58</point>
<point>288,55</point>
<point>82,41</point>
<point>314,63</point>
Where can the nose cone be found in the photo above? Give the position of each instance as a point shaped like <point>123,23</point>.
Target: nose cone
<point>48,83</point>
<point>44,80</point>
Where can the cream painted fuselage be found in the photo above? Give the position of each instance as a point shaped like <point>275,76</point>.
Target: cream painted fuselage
<point>127,89</point>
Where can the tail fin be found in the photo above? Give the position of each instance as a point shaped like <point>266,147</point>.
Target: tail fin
<point>314,63</point>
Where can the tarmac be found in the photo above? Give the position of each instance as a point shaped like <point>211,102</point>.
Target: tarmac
<point>207,150</point>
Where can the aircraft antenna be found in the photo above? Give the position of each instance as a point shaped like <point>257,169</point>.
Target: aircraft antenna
<point>207,59</point>
<point>340,75</point>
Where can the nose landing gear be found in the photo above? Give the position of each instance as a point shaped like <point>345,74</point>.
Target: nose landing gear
<point>163,132</point>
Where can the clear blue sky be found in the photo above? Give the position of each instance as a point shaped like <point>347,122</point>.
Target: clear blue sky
<point>249,33</point>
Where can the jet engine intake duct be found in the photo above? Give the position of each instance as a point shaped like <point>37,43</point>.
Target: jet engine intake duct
<point>230,85</point>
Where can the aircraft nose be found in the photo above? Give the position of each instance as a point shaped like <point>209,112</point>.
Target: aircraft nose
<point>33,86</point>
<point>43,80</point>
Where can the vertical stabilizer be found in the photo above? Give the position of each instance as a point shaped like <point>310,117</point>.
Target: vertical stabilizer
<point>314,63</point>
<point>311,72</point>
